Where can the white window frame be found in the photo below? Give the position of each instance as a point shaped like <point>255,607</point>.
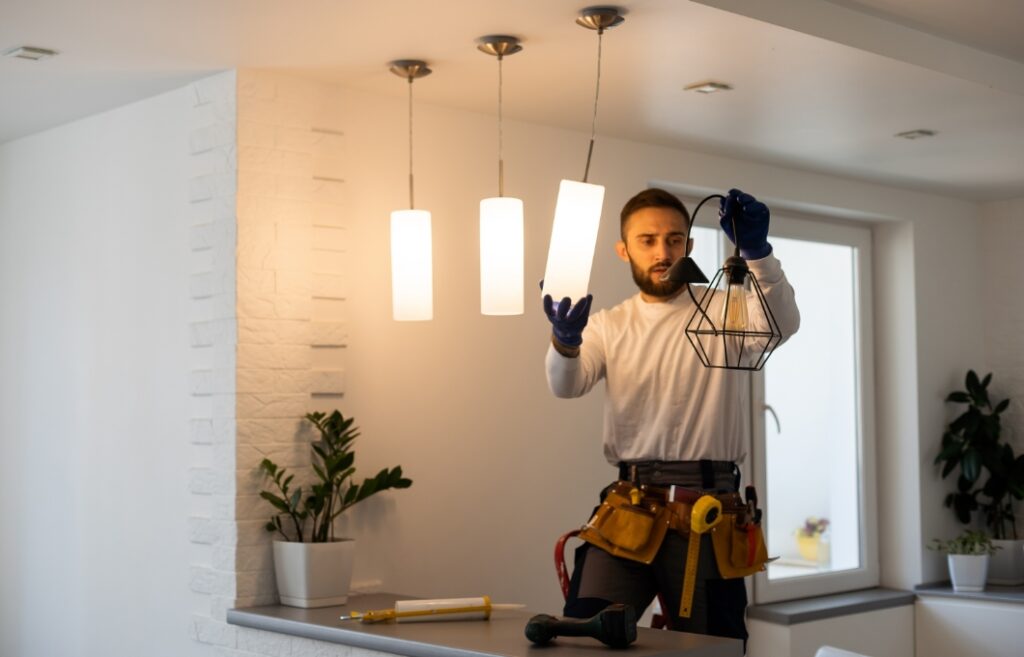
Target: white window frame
<point>868,574</point>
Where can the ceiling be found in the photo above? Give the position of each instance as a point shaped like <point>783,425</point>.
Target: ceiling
<point>818,85</point>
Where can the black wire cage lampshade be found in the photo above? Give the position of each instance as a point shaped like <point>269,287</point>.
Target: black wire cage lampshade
<point>732,326</point>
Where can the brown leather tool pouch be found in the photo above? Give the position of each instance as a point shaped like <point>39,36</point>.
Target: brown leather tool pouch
<point>627,530</point>
<point>739,548</point>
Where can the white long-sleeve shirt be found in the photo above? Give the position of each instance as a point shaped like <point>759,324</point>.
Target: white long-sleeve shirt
<point>661,403</point>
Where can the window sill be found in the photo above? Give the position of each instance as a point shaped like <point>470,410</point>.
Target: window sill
<point>992,593</point>
<point>793,612</point>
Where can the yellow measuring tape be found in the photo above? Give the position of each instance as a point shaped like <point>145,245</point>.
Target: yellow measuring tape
<point>706,513</point>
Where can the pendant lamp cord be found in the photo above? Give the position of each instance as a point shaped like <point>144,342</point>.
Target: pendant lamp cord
<point>597,94</point>
<point>412,205</point>
<point>689,227</point>
<point>501,162</point>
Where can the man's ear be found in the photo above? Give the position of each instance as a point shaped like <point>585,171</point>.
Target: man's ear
<point>689,246</point>
<point>620,249</point>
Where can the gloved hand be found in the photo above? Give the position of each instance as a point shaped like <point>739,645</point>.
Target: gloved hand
<point>751,223</point>
<point>567,320</point>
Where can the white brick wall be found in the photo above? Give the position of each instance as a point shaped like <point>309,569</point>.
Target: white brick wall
<point>269,354</point>
<point>213,336</point>
<point>267,236</point>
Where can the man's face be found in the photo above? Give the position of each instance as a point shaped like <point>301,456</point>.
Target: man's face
<point>655,238</point>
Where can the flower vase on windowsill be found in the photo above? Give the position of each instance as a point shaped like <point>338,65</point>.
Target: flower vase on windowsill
<point>810,540</point>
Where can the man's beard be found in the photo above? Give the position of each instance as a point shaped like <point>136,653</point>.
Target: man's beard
<point>651,287</point>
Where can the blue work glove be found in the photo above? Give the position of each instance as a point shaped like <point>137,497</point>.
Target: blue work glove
<point>751,223</point>
<point>568,321</point>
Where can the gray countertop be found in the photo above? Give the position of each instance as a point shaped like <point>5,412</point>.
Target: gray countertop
<point>501,636</point>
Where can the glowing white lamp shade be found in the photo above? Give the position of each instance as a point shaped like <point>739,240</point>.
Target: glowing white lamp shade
<point>412,286</point>
<point>573,238</point>
<point>501,256</point>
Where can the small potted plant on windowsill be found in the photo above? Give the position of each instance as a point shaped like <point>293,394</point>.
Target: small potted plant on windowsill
<point>968,557</point>
<point>314,568</point>
<point>973,441</point>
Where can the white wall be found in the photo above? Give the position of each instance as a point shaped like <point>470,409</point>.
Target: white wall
<point>93,386</point>
<point>1002,289</point>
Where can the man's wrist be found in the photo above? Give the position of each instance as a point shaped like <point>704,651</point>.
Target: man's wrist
<point>563,349</point>
<point>757,254</point>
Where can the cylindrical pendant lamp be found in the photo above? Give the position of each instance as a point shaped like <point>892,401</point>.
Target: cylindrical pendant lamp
<point>412,287</point>
<point>578,209</point>
<point>573,240</point>
<point>501,218</point>
<point>501,256</point>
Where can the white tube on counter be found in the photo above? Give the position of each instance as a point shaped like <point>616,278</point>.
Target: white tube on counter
<point>443,609</point>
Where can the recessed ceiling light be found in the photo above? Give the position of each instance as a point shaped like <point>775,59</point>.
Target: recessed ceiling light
<point>915,134</point>
<point>708,87</point>
<point>30,52</point>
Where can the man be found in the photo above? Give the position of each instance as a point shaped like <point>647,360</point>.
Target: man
<point>668,420</point>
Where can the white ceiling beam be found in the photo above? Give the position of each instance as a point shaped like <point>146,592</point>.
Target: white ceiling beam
<point>882,37</point>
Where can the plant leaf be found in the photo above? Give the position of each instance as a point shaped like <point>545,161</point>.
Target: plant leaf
<point>971,381</point>
<point>950,465</point>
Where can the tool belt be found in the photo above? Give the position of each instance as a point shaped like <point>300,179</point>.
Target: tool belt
<point>632,521</point>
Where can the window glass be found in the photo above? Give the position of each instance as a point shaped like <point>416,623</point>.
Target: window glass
<point>817,463</point>
<point>812,452</point>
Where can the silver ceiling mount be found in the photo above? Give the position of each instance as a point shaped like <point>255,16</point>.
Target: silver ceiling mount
<point>409,68</point>
<point>600,18</point>
<point>498,45</point>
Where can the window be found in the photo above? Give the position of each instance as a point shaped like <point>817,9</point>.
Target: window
<point>812,453</point>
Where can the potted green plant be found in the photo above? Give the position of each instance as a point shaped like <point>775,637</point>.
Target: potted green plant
<point>313,568</point>
<point>991,476</point>
<point>968,558</point>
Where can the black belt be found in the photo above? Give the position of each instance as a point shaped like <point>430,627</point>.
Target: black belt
<point>663,472</point>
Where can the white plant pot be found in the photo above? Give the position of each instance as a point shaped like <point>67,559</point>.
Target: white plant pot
<point>314,574</point>
<point>1007,565</point>
<point>968,571</point>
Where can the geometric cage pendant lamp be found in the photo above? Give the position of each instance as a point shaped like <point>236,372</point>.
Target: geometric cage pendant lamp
<point>501,218</point>
<point>412,293</point>
<point>578,208</point>
<point>732,326</point>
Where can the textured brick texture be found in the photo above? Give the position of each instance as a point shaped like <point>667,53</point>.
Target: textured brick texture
<point>267,238</point>
<point>290,177</point>
<point>213,330</point>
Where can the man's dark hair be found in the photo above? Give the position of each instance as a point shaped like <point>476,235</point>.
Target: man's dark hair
<point>650,198</point>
